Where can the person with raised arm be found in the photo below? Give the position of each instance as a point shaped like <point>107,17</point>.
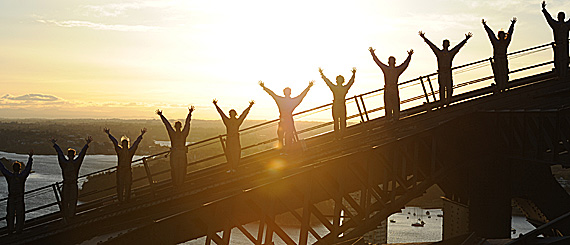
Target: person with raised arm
<point>178,149</point>
<point>15,208</point>
<point>499,63</point>
<point>124,158</point>
<point>391,75</point>
<point>560,29</point>
<point>286,105</point>
<point>233,145</point>
<point>444,63</point>
<point>70,166</point>
<point>339,98</point>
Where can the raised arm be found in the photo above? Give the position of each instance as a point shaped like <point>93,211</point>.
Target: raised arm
<point>28,168</point>
<point>275,96</point>
<point>401,68</point>
<point>57,149</point>
<point>460,45</point>
<point>429,43</point>
<point>83,152</point>
<point>547,15</point>
<point>138,141</point>
<point>327,81</point>
<point>490,32</point>
<point>300,97</point>
<point>186,129</point>
<point>245,112</point>
<point>222,114</point>
<point>113,139</point>
<point>351,81</point>
<point>511,29</point>
<point>5,171</point>
<point>165,121</point>
<point>378,62</point>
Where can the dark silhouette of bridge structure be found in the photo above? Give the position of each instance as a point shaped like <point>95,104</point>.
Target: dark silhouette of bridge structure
<point>485,149</point>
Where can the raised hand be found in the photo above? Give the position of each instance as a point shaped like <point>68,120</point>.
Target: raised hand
<point>89,139</point>
<point>483,21</point>
<point>514,20</point>
<point>215,101</point>
<point>371,50</point>
<point>158,112</point>
<point>353,70</point>
<point>321,71</point>
<point>311,83</point>
<point>261,84</point>
<point>543,4</point>
<point>107,130</point>
<point>143,131</point>
<point>53,140</point>
<point>191,109</point>
<point>31,153</point>
<point>411,52</point>
<point>468,35</point>
<point>422,34</point>
<point>251,103</point>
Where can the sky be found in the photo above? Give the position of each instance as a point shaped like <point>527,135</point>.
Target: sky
<point>125,59</point>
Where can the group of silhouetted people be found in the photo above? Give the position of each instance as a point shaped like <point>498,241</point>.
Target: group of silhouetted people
<point>286,133</point>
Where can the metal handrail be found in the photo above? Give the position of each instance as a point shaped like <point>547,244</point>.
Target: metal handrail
<point>196,144</point>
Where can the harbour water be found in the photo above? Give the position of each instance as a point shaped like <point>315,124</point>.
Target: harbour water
<point>47,171</point>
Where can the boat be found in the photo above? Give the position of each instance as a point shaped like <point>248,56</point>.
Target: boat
<point>440,215</point>
<point>392,221</point>
<point>418,224</point>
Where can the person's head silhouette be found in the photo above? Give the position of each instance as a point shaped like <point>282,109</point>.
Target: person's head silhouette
<point>561,16</point>
<point>502,35</point>
<point>125,142</point>
<point>178,126</point>
<point>233,113</point>
<point>70,153</point>
<point>287,92</point>
<point>445,44</point>
<point>391,61</point>
<point>16,166</point>
<point>339,80</point>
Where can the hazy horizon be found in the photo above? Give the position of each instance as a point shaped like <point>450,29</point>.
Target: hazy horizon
<point>65,59</point>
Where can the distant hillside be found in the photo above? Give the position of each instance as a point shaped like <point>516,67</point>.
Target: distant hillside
<point>21,135</point>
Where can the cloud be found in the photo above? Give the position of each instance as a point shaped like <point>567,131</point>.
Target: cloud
<point>31,97</point>
<point>117,9</point>
<point>100,26</point>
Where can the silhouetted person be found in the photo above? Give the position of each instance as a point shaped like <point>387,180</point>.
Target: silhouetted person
<point>178,149</point>
<point>444,64</point>
<point>560,29</point>
<point>70,170</point>
<point>391,75</point>
<point>233,145</point>
<point>15,208</point>
<point>124,158</point>
<point>339,98</point>
<point>286,105</point>
<point>500,64</point>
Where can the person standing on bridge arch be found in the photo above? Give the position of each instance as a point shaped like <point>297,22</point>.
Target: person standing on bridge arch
<point>339,98</point>
<point>560,29</point>
<point>70,171</point>
<point>15,208</point>
<point>391,74</point>
<point>178,149</point>
<point>233,145</point>
<point>124,158</point>
<point>444,64</point>
<point>286,105</point>
<point>500,64</point>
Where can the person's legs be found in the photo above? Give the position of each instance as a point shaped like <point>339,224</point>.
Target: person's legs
<point>173,168</point>
<point>387,105</point>
<point>20,214</point>
<point>10,213</point>
<point>65,200</point>
<point>127,185</point>
<point>396,107</point>
<point>280,134</point>
<point>120,185</point>
<point>73,202</point>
